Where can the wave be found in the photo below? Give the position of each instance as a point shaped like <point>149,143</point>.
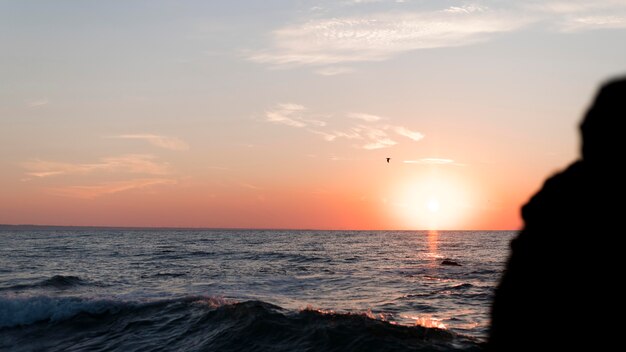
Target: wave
<point>20,311</point>
<point>57,281</point>
<point>462,286</point>
<point>204,323</point>
<point>454,289</point>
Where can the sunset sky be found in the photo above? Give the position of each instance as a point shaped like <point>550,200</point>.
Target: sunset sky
<point>280,114</point>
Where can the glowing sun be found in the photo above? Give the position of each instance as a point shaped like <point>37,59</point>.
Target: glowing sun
<point>433,205</point>
<point>432,201</point>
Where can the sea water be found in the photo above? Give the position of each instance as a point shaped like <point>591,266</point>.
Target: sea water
<point>75,289</point>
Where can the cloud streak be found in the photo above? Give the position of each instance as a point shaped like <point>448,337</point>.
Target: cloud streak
<point>403,131</point>
<point>171,143</point>
<point>364,117</point>
<point>293,115</point>
<point>341,39</point>
<point>131,163</point>
<point>577,15</point>
<point>95,191</point>
<point>377,138</point>
<point>377,37</point>
<point>367,129</point>
<point>286,114</point>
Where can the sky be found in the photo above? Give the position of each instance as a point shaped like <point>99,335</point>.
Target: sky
<point>281,114</point>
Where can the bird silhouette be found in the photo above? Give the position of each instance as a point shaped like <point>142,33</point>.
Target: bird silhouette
<point>388,160</point>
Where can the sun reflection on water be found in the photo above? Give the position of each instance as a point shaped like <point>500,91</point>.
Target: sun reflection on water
<point>433,241</point>
<point>425,321</point>
<point>406,320</point>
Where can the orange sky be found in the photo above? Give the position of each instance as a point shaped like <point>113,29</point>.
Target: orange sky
<point>225,115</point>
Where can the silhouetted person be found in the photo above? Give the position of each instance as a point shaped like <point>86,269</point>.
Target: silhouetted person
<point>560,288</point>
<point>388,160</point>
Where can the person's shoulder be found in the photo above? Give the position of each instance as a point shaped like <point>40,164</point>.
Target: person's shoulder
<point>572,174</point>
<point>556,192</point>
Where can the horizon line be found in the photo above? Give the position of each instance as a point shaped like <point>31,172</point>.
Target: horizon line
<point>236,228</point>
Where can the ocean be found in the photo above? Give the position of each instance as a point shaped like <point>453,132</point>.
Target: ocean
<point>113,289</point>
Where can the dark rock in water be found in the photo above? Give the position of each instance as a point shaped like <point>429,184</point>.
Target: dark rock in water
<point>450,262</point>
<point>62,281</point>
<point>553,295</point>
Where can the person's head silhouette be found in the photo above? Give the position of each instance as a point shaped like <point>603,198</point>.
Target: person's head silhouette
<point>601,131</point>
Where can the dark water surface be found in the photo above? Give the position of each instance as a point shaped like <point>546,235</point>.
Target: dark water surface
<point>73,289</point>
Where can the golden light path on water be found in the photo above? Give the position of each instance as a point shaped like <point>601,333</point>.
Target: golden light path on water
<point>433,241</point>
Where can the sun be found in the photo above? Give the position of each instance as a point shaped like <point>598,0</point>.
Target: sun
<point>433,205</point>
<point>432,202</point>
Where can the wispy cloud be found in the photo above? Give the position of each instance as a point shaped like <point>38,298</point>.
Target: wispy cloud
<point>379,36</point>
<point>286,114</point>
<point>291,115</point>
<point>579,23</point>
<point>38,102</point>
<point>377,138</point>
<point>351,133</point>
<point>563,7</point>
<point>368,130</point>
<point>364,117</point>
<point>467,9</point>
<point>403,131</point>
<point>380,143</point>
<point>94,191</point>
<point>577,15</point>
<point>171,143</point>
<point>132,163</point>
<point>376,36</point>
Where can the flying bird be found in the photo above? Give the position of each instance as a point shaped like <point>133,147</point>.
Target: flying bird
<point>388,160</point>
